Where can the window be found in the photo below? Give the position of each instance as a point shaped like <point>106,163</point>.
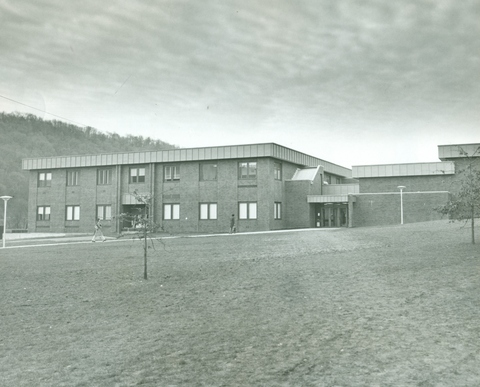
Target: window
<point>277,210</point>
<point>171,211</point>
<point>104,212</point>
<point>208,171</point>
<point>247,170</point>
<point>277,171</point>
<point>208,210</point>
<point>73,177</point>
<point>43,213</point>
<point>104,176</point>
<point>137,175</point>
<point>72,213</point>
<point>247,210</point>
<point>171,172</point>
<point>44,179</point>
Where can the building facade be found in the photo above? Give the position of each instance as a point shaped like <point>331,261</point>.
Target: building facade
<point>266,186</point>
<point>391,193</point>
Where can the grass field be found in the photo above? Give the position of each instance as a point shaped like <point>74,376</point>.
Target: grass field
<point>392,306</point>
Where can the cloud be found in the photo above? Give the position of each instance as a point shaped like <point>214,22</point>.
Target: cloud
<point>367,66</point>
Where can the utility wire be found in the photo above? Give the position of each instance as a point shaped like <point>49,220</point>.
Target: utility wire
<point>43,111</point>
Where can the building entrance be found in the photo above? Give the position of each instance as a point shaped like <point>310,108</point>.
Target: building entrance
<point>331,215</point>
<point>132,214</point>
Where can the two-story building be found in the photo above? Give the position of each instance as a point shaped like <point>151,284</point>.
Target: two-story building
<point>266,186</point>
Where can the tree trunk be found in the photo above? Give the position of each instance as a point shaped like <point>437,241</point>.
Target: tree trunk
<point>145,248</point>
<point>473,224</point>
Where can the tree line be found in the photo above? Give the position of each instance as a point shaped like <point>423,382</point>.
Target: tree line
<point>26,135</point>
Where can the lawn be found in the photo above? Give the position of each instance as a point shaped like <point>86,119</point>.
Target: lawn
<point>391,306</point>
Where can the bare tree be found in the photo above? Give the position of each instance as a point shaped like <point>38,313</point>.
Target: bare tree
<point>465,202</point>
<point>145,225</point>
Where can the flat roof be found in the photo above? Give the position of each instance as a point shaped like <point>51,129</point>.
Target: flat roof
<point>185,154</point>
<point>454,151</point>
<point>412,169</point>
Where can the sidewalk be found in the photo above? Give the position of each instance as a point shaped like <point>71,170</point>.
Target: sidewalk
<point>13,237</point>
<point>39,235</point>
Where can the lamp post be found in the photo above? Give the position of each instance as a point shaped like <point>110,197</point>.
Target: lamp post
<point>401,188</point>
<point>5,200</point>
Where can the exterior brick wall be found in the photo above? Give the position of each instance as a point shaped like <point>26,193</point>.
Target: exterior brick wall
<point>87,195</point>
<point>384,208</point>
<point>298,211</point>
<point>447,182</point>
<point>227,191</point>
<point>379,200</point>
<point>411,183</point>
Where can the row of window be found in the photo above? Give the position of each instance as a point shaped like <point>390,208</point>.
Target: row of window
<point>104,212</point>
<point>171,211</point>
<point>104,177</point>
<point>208,171</point>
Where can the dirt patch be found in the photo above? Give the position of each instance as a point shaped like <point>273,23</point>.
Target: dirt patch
<point>374,306</point>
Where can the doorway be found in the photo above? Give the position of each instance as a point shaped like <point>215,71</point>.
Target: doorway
<point>331,215</point>
<point>132,212</point>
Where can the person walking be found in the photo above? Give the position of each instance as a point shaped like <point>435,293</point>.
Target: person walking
<point>98,231</point>
<point>233,229</point>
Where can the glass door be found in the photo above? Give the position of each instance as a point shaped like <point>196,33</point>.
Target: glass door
<point>331,215</point>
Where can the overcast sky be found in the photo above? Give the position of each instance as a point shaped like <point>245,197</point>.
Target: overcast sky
<point>352,82</point>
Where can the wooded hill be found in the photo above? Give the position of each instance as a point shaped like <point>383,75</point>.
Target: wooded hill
<point>26,135</point>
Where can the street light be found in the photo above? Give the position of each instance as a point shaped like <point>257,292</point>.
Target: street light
<point>401,188</point>
<point>5,200</point>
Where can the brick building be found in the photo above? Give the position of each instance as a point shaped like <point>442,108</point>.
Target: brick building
<point>266,186</point>
<point>425,187</point>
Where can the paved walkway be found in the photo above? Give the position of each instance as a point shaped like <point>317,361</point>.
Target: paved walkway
<point>28,237</point>
<point>41,235</point>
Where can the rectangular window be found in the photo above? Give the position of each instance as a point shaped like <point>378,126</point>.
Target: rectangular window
<point>137,175</point>
<point>73,178</point>
<point>277,171</point>
<point>44,179</point>
<point>171,211</point>
<point>277,210</point>
<point>208,211</point>
<point>247,210</point>
<point>208,171</point>
<point>43,213</point>
<point>171,172</point>
<point>104,212</point>
<point>247,170</point>
<point>104,176</point>
<point>72,213</point>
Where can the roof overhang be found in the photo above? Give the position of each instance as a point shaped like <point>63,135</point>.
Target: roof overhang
<point>327,198</point>
<point>186,154</point>
<point>414,169</point>
<point>456,151</point>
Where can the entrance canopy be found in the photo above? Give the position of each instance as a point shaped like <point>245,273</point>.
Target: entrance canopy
<point>328,198</point>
